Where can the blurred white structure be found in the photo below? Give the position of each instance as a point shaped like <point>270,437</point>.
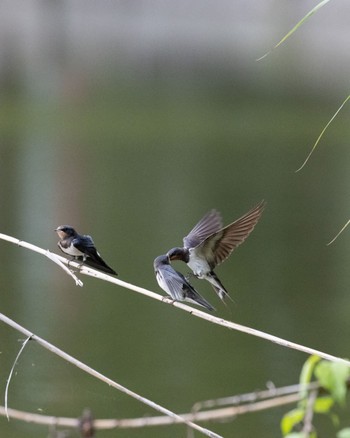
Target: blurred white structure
<point>144,36</point>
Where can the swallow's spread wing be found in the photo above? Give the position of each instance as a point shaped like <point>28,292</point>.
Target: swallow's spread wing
<point>218,246</point>
<point>208,225</point>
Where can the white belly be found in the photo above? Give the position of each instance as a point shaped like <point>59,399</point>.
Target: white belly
<point>199,265</point>
<point>72,251</point>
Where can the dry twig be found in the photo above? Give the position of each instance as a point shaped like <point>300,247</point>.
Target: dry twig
<point>243,404</point>
<point>101,377</point>
<point>195,312</point>
<point>230,411</point>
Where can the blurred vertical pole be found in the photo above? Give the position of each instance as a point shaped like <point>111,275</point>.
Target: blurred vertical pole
<point>43,67</point>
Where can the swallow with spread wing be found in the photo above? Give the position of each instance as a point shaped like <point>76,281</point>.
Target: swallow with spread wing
<point>208,244</point>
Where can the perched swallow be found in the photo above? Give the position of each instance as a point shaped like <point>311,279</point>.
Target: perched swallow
<point>175,284</point>
<point>81,247</point>
<point>208,244</point>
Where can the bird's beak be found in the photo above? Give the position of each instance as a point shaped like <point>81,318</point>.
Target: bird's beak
<point>173,257</point>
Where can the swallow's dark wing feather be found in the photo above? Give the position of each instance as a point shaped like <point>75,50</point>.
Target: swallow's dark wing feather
<point>86,245</point>
<point>174,282</point>
<point>193,295</point>
<point>208,225</point>
<point>101,265</point>
<point>220,245</point>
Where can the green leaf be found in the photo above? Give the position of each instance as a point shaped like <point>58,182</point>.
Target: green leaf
<point>333,377</point>
<point>323,405</point>
<point>290,419</point>
<point>344,433</point>
<point>306,374</point>
<point>302,21</point>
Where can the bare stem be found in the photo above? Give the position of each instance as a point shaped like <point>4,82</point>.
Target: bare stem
<point>100,376</point>
<point>195,312</point>
<point>307,429</point>
<point>244,403</point>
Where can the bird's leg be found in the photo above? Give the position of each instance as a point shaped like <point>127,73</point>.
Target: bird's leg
<point>168,300</point>
<point>73,259</point>
<point>81,262</point>
<point>189,275</point>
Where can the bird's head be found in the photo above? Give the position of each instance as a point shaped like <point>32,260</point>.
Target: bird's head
<point>178,254</point>
<point>65,231</point>
<point>160,260</point>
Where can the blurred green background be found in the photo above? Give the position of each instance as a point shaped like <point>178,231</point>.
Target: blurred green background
<point>129,122</point>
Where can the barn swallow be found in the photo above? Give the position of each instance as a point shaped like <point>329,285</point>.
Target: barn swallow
<point>175,284</point>
<point>81,247</point>
<point>208,244</point>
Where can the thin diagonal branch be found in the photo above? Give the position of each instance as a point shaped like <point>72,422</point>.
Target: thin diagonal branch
<point>56,260</point>
<point>60,261</point>
<point>101,377</point>
<point>195,312</point>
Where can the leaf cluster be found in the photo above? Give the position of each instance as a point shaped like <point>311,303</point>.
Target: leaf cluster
<point>333,380</point>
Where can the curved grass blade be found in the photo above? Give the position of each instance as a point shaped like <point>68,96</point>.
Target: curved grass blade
<point>323,131</point>
<point>10,376</point>
<point>329,243</point>
<point>302,21</point>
